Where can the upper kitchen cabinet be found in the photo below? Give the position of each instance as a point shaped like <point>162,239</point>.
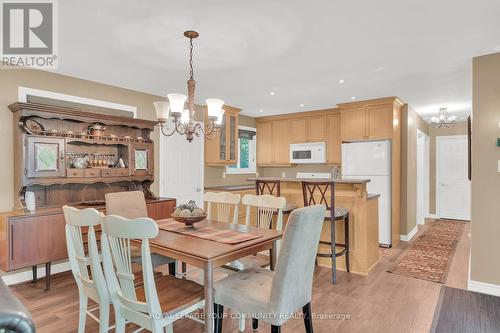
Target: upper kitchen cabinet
<point>333,139</point>
<point>223,148</point>
<point>273,142</point>
<point>281,142</point>
<point>298,126</point>
<point>369,120</point>
<point>307,129</point>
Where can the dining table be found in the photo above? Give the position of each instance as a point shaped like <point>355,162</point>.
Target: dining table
<point>209,254</point>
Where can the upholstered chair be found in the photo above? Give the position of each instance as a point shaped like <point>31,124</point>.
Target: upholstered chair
<point>275,296</point>
<point>132,205</point>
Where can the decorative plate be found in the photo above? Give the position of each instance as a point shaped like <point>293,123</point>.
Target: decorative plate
<point>32,126</point>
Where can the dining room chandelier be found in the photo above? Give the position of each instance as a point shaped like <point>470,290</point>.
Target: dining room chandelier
<point>174,118</point>
<point>444,119</point>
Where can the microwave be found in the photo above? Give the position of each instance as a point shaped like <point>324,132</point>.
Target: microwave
<point>311,152</point>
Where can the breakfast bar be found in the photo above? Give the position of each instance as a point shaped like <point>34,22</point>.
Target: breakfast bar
<point>363,209</point>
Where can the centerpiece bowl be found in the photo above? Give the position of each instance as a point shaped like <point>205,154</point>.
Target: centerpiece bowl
<point>189,221</point>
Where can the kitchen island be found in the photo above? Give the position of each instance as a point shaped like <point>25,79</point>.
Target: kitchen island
<point>363,223</point>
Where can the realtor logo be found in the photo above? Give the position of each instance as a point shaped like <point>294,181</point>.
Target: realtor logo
<point>29,34</point>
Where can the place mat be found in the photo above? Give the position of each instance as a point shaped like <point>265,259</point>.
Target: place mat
<point>212,233</point>
<point>429,257</point>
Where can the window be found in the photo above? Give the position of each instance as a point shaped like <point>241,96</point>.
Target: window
<point>246,148</point>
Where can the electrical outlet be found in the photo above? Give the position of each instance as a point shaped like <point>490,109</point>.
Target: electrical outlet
<point>498,166</point>
<point>283,175</point>
<point>224,175</point>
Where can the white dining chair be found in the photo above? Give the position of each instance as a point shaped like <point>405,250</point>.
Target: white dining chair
<point>274,297</point>
<point>223,203</point>
<point>92,285</point>
<point>159,302</point>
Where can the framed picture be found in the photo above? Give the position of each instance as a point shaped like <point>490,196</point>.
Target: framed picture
<point>46,156</point>
<point>141,159</point>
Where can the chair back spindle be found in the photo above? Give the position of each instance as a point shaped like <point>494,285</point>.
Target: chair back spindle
<point>224,203</point>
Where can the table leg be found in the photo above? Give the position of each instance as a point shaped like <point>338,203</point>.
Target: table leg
<point>209,297</point>
<point>272,256</point>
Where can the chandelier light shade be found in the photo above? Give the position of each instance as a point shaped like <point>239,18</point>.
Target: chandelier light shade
<point>162,111</point>
<point>183,122</point>
<point>444,119</point>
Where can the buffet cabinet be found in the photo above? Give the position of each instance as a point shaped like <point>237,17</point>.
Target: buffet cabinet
<point>222,148</point>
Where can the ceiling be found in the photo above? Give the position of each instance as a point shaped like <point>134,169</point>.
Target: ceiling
<point>420,51</point>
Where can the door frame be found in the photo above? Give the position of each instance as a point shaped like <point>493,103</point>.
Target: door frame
<point>438,158</point>
<point>162,159</point>
<point>425,177</point>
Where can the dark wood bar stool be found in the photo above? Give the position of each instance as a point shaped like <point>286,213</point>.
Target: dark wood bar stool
<point>315,192</point>
<point>272,187</point>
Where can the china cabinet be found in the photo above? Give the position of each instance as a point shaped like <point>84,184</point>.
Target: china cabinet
<point>222,149</point>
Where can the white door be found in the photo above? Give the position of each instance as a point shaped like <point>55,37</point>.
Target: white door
<point>452,184</point>
<point>422,166</point>
<point>182,168</point>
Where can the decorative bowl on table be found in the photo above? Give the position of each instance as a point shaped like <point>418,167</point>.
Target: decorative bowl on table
<point>189,214</point>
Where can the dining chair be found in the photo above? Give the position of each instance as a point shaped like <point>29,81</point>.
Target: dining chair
<point>275,296</point>
<point>131,205</point>
<point>92,285</point>
<point>324,193</point>
<point>272,187</point>
<point>223,203</point>
<point>158,302</point>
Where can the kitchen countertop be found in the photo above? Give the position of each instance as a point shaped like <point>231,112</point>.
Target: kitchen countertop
<point>372,196</point>
<point>230,187</point>
<point>338,181</point>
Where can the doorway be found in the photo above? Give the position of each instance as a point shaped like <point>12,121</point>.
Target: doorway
<point>182,168</point>
<point>452,183</point>
<point>422,163</point>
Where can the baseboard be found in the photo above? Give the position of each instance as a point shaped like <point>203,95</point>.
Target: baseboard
<point>432,216</point>
<point>407,238</point>
<point>483,287</point>
<point>15,278</point>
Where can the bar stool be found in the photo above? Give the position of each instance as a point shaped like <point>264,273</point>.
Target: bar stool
<point>272,187</point>
<point>314,190</point>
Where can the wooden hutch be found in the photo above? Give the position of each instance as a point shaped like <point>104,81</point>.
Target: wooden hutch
<point>69,156</point>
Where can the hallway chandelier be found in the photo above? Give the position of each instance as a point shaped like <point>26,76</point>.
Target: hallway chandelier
<point>444,119</point>
<point>181,119</point>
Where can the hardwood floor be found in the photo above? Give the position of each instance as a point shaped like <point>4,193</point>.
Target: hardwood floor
<point>380,302</point>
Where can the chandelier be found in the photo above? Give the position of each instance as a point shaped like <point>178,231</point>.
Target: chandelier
<point>443,120</point>
<point>173,117</point>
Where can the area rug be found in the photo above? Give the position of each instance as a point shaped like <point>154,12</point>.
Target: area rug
<point>429,257</point>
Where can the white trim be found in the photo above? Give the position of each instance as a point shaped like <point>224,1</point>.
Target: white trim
<point>248,128</point>
<point>248,171</point>
<point>407,238</point>
<point>432,216</point>
<point>15,278</point>
<point>483,287</point>
<point>24,92</point>
<point>438,139</point>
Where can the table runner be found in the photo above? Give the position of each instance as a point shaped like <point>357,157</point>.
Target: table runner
<point>208,232</point>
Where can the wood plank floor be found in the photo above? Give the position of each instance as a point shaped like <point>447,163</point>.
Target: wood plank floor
<point>380,302</point>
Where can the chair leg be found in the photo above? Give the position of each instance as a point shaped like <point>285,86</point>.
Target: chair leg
<point>219,314</point>
<point>35,272</point>
<point>103,318</point>
<point>255,323</point>
<point>275,329</point>
<point>334,257</point>
<point>82,312</point>
<point>47,276</point>
<point>120,324</point>
<point>171,268</point>
<point>308,318</point>
<point>242,323</point>
<point>346,227</point>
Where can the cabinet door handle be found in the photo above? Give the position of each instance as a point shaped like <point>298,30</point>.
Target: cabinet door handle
<point>108,173</point>
<point>11,241</point>
<point>75,173</point>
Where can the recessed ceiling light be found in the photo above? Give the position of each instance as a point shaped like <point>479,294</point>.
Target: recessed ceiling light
<point>301,105</point>
<point>272,93</point>
<point>261,110</point>
<point>341,81</point>
<point>353,97</point>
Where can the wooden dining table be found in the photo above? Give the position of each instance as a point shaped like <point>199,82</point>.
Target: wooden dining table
<point>208,254</point>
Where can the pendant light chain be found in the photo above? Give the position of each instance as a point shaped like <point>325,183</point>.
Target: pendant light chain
<point>191,72</point>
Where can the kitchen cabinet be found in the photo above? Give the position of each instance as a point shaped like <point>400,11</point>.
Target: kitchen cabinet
<point>379,118</point>
<point>367,122</point>
<point>264,143</point>
<point>352,124</point>
<point>316,128</point>
<point>333,139</point>
<point>298,130</point>
<point>222,149</point>
<point>273,144</point>
<point>46,157</point>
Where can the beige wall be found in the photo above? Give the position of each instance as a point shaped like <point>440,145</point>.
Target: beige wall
<point>460,128</point>
<point>11,79</point>
<point>214,175</point>
<point>485,207</point>
<point>411,122</point>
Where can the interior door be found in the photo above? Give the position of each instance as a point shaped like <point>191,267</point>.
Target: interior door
<point>182,168</point>
<point>452,183</point>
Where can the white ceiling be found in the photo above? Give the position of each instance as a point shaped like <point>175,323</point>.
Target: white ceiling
<point>420,51</point>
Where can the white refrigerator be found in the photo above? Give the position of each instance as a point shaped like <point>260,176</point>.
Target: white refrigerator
<point>372,160</point>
